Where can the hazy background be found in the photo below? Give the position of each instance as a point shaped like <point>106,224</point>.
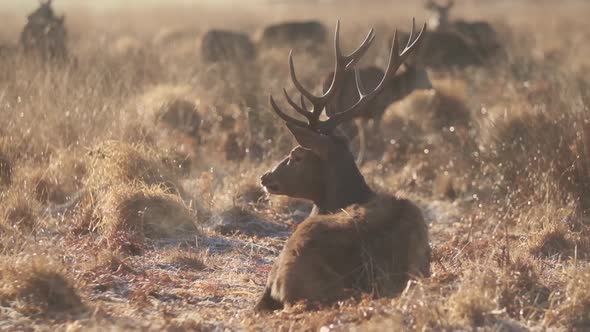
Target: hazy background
<point>111,4</point>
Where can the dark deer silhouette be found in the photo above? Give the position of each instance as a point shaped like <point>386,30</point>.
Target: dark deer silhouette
<point>355,239</point>
<point>226,46</point>
<point>457,42</point>
<point>45,34</point>
<point>309,33</point>
<point>441,17</point>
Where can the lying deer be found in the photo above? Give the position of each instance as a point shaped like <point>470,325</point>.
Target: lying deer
<point>355,239</point>
<point>456,42</point>
<point>227,46</point>
<point>309,33</point>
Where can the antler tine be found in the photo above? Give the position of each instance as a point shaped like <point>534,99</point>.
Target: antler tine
<point>414,44</point>
<point>343,63</point>
<point>411,32</point>
<point>357,54</point>
<point>395,61</point>
<point>318,102</point>
<point>298,85</point>
<point>284,116</point>
<point>303,106</point>
<point>339,68</point>
<point>299,109</point>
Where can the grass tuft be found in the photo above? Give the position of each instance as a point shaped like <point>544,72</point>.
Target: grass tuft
<point>138,212</point>
<point>38,288</point>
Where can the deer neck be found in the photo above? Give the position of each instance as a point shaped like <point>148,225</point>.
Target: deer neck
<point>345,185</point>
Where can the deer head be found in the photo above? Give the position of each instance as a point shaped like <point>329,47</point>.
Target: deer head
<point>441,19</point>
<point>322,168</point>
<point>43,13</point>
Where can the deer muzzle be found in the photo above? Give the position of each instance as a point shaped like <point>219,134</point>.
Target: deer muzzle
<point>269,183</point>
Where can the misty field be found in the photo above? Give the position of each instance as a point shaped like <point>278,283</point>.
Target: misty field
<point>113,217</point>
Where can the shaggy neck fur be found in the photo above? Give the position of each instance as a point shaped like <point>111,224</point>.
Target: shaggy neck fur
<point>344,185</point>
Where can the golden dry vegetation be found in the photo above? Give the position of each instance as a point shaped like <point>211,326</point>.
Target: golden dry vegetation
<point>112,220</point>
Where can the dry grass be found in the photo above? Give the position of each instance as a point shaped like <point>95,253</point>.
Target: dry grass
<point>164,224</point>
<point>38,288</point>
<point>129,214</point>
<point>19,211</point>
<point>573,311</point>
<point>5,170</point>
<point>185,259</point>
<point>116,163</point>
<point>524,147</point>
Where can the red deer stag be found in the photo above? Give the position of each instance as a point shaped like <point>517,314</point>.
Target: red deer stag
<point>440,20</point>
<point>456,42</point>
<point>309,33</point>
<point>45,34</point>
<point>355,239</point>
<point>226,46</point>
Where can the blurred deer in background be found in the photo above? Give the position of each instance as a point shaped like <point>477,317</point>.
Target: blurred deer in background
<point>45,34</point>
<point>230,58</point>
<point>399,86</point>
<point>310,34</point>
<point>440,20</point>
<point>355,239</point>
<point>456,42</point>
<point>226,46</point>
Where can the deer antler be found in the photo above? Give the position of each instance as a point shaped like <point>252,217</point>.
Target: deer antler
<point>343,64</point>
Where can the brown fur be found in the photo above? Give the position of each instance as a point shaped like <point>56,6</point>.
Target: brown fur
<point>373,247</point>
<point>376,244</point>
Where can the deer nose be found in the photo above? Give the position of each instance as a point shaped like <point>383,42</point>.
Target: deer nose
<point>265,178</point>
<point>268,181</point>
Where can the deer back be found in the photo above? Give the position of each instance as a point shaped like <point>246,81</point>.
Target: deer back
<point>290,33</point>
<point>374,247</point>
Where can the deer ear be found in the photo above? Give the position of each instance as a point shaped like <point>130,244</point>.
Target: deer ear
<point>311,140</point>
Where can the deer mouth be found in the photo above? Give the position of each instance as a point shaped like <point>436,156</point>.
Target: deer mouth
<point>269,185</point>
<point>271,188</point>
